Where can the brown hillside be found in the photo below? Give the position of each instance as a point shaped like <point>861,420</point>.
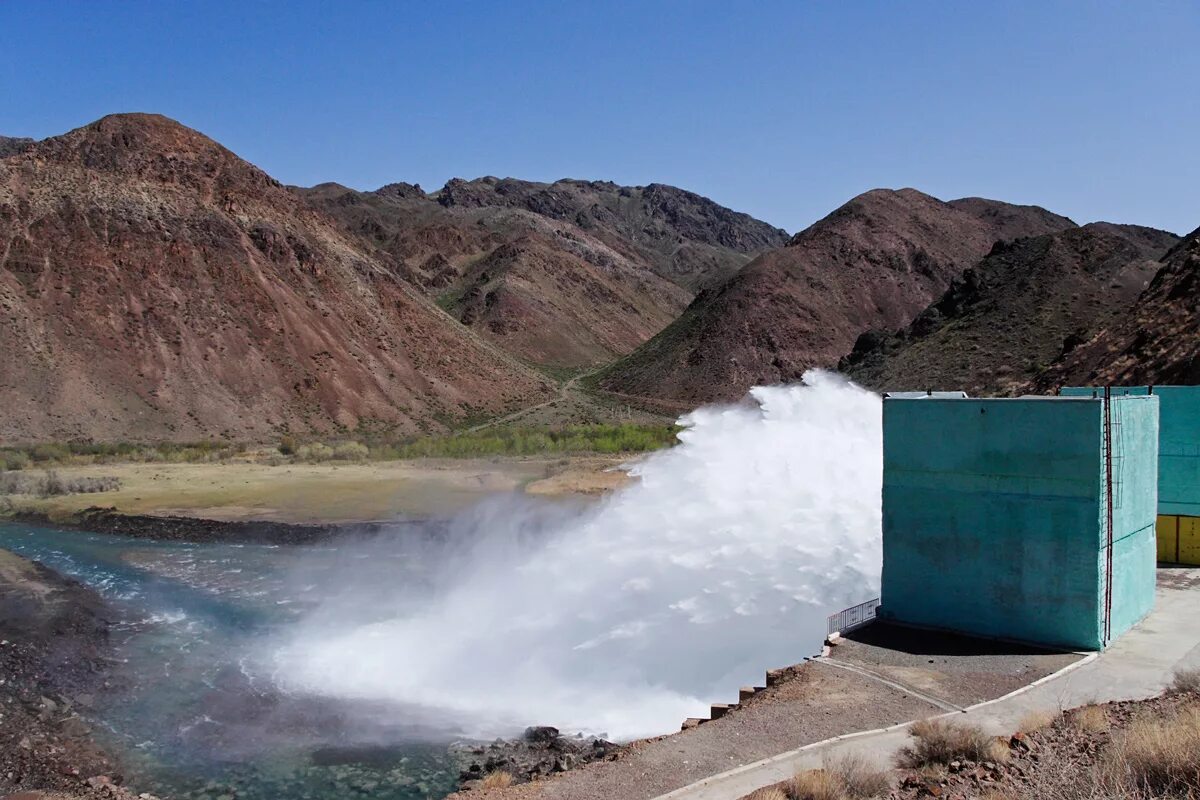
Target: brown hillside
<point>10,145</point>
<point>874,263</point>
<point>1157,341</point>
<point>154,285</point>
<point>573,273</point>
<point>1015,312</point>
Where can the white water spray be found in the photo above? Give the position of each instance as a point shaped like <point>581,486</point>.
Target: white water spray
<point>626,617</point>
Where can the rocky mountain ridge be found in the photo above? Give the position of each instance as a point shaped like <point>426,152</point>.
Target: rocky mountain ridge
<point>567,274</point>
<point>875,262</point>
<point>1015,312</point>
<point>153,285</point>
<point>1157,341</point>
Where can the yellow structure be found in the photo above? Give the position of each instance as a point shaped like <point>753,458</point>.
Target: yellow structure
<point>1178,539</point>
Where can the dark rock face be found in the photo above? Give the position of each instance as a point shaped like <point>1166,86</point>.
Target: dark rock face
<point>11,145</point>
<point>650,216</point>
<point>874,263</point>
<point>156,286</point>
<point>1156,341</point>
<point>1014,312</point>
<point>404,191</point>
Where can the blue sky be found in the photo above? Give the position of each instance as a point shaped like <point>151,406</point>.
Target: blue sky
<point>783,110</point>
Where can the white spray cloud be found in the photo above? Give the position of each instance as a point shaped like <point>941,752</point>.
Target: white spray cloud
<point>632,614</point>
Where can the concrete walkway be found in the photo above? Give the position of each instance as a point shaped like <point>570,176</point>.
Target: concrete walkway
<point>1139,666</point>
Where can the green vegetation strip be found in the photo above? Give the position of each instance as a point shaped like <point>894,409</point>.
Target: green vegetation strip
<point>500,441</point>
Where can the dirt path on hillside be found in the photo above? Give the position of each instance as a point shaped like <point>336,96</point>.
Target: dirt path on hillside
<point>564,396</point>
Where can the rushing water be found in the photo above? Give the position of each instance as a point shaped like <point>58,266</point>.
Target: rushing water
<point>324,670</point>
<point>195,713</point>
<point>629,615</point>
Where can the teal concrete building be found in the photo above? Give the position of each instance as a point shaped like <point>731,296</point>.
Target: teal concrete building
<point>1178,443</point>
<point>996,516</point>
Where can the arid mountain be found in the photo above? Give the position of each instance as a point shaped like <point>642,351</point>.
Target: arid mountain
<point>153,285</point>
<point>1156,341</point>
<point>10,145</point>
<point>876,262</point>
<point>1015,312</point>
<point>686,238</point>
<point>568,274</point>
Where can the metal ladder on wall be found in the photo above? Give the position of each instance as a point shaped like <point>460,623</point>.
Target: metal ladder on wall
<point>1114,454</point>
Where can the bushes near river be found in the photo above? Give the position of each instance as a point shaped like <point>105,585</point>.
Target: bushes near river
<point>493,442</point>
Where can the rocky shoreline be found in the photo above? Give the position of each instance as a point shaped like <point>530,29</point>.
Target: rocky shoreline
<point>198,529</point>
<point>54,659</point>
<point>541,752</point>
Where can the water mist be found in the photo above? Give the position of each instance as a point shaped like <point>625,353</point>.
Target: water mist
<point>626,616</point>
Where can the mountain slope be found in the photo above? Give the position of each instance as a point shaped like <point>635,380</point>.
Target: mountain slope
<point>10,145</point>
<point>569,274</point>
<point>154,285</point>
<point>1156,342</point>
<point>686,238</point>
<point>1015,311</point>
<point>873,263</point>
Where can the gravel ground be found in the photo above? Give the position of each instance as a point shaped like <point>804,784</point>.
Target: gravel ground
<point>957,669</point>
<point>812,703</point>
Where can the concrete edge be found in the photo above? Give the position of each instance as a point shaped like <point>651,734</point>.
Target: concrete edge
<point>1087,659</point>
<point>682,791</point>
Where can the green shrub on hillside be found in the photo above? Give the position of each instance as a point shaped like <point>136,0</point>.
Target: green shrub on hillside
<point>13,460</point>
<point>51,451</point>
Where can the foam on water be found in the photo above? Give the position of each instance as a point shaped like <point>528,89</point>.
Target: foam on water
<point>722,560</point>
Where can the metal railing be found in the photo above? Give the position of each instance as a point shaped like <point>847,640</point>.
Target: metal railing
<point>853,617</point>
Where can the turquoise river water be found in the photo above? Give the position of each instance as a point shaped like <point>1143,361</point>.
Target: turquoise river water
<point>194,712</point>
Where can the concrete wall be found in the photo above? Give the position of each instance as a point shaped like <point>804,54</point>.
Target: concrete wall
<point>993,517</point>
<point>1136,434</point>
<point>1178,443</point>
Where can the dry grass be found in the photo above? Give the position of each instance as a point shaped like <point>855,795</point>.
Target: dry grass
<point>862,778</point>
<point>938,741</point>
<point>999,794</point>
<point>1187,681</point>
<point>51,484</point>
<point>497,780</point>
<point>331,492</point>
<point>769,793</point>
<point>847,777</point>
<point>1155,757</point>
<point>1036,721</point>
<point>1090,719</point>
<point>815,784</point>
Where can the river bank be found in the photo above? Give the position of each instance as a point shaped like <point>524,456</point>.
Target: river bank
<point>304,502</point>
<point>54,659</point>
